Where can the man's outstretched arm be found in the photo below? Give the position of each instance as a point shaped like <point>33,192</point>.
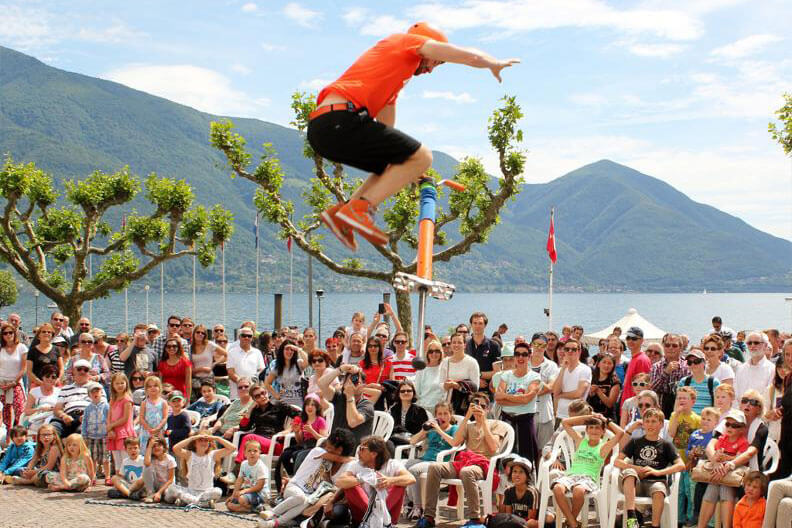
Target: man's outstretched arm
<point>443,51</point>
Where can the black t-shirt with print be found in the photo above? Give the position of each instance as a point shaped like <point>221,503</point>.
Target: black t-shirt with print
<point>656,454</point>
<point>522,506</point>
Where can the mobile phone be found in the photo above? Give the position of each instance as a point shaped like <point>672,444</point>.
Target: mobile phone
<point>381,308</point>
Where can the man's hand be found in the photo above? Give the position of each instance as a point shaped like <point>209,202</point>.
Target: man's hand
<point>643,471</point>
<point>500,65</point>
<point>67,419</point>
<point>349,390</point>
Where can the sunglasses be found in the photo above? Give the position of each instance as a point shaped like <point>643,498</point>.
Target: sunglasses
<point>711,349</point>
<point>434,351</point>
<point>406,391</point>
<point>381,336</point>
<point>60,320</point>
<point>751,401</point>
<point>695,361</point>
<point>373,345</point>
<point>174,325</point>
<point>82,369</point>
<point>171,346</point>
<point>243,387</point>
<point>521,354</point>
<point>400,341</point>
<point>317,360</point>
<point>757,343</point>
<point>644,405</point>
<point>200,333</point>
<point>246,336</point>
<point>734,425</point>
<point>671,345</point>
<point>221,341</point>
<point>9,332</point>
<point>447,343</point>
<point>632,338</point>
<point>539,344</point>
<point>639,384</point>
<point>259,394</point>
<point>86,342</point>
<point>138,378</point>
<point>570,349</point>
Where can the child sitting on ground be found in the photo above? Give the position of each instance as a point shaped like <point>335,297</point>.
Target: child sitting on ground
<point>197,454</point>
<point>750,510</point>
<point>522,499</point>
<point>249,491</point>
<point>45,459</point>
<point>17,455</point>
<point>76,467</point>
<point>583,475</point>
<point>128,481</point>
<point>159,472</point>
<point>680,428</point>
<point>94,429</point>
<point>697,444</point>
<point>652,459</point>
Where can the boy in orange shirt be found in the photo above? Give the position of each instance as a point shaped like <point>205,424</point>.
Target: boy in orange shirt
<point>750,510</point>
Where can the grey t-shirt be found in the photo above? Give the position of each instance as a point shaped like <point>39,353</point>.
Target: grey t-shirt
<point>140,359</point>
<point>364,407</point>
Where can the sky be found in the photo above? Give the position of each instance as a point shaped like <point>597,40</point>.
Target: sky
<point>681,90</point>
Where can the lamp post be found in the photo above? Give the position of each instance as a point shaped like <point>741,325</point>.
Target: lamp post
<point>319,294</point>
<point>146,289</point>
<point>36,295</point>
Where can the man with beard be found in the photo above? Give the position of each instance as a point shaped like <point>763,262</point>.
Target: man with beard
<point>756,373</point>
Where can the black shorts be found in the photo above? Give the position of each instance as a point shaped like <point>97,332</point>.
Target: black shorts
<point>357,140</point>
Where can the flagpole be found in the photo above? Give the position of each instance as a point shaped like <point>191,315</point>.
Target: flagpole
<point>194,317</point>
<point>90,275</point>
<point>550,289</point>
<point>222,275</point>
<point>291,283</point>
<point>162,297</point>
<point>258,261</point>
<point>126,310</point>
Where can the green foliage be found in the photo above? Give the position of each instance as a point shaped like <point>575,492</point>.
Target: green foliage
<point>170,196</point>
<point>101,190</point>
<point>60,225</point>
<point>221,223</point>
<point>118,265</point>
<point>8,289</point>
<point>783,135</point>
<point>143,230</point>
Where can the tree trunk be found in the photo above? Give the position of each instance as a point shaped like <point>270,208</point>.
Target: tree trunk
<point>73,311</point>
<point>404,308</point>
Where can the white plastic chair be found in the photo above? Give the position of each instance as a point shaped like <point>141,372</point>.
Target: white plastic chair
<point>565,445</point>
<point>383,425</point>
<point>485,486</point>
<point>670,515</point>
<point>770,458</point>
<point>195,417</point>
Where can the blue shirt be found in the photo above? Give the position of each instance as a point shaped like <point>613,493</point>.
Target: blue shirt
<point>94,424</point>
<point>436,443</point>
<point>703,397</point>
<point>698,441</point>
<point>17,457</point>
<point>206,409</point>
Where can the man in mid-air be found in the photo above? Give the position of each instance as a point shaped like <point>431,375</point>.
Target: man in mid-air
<point>353,123</point>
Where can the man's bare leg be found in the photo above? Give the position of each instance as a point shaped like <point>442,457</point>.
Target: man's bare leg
<point>365,186</point>
<point>377,189</point>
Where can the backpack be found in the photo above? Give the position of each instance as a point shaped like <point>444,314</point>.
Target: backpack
<point>710,385</point>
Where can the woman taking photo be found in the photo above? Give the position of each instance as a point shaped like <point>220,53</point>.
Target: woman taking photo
<point>43,353</point>
<point>99,373</point>
<point>203,354</point>
<point>13,363</point>
<point>605,387</point>
<point>457,370</point>
<point>285,374</point>
<point>407,416</point>
<point>175,368</point>
<point>428,385</point>
<point>308,429</point>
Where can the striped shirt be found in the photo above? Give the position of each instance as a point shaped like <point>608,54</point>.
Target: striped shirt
<point>402,368</point>
<point>73,398</point>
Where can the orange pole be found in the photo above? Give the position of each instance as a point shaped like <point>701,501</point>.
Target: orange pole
<point>426,231</point>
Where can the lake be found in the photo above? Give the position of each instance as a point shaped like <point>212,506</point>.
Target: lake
<point>523,312</point>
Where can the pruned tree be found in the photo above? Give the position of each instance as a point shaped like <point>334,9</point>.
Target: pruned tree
<point>8,289</point>
<point>783,135</point>
<point>50,244</point>
<point>474,212</point>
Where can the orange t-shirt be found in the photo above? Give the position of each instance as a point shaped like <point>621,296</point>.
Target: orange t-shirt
<point>376,78</point>
<point>749,516</point>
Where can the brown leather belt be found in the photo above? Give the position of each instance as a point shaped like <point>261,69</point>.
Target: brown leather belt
<point>335,107</point>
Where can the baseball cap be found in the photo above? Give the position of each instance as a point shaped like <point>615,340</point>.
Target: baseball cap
<point>695,353</point>
<point>737,415</point>
<point>522,462</point>
<point>176,395</point>
<point>151,327</point>
<point>91,385</point>
<point>82,363</point>
<point>635,331</point>
<point>540,336</point>
<point>726,334</point>
<point>507,350</point>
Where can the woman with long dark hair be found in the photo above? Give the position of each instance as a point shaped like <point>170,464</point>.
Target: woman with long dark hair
<point>775,395</point>
<point>408,416</point>
<point>605,386</point>
<point>175,368</point>
<point>43,353</point>
<point>374,364</point>
<point>283,381</point>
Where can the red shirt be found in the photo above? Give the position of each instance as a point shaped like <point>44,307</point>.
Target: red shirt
<point>402,368</point>
<point>373,372</point>
<point>638,363</point>
<point>375,79</point>
<point>732,448</point>
<point>174,374</point>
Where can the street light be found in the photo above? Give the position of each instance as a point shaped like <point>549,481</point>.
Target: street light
<point>146,288</point>
<point>319,294</point>
<point>36,295</point>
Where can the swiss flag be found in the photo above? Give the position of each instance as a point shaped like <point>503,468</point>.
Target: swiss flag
<point>551,249</point>
<point>289,244</point>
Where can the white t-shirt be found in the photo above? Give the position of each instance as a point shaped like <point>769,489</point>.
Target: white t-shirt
<point>570,383</point>
<point>252,474</point>
<point>723,372</point>
<point>368,477</point>
<point>517,386</point>
<point>467,369</point>
<point>161,467</point>
<point>200,475</point>
<point>758,377</point>
<point>10,364</point>
<point>39,400</point>
<point>132,468</point>
<point>548,371</point>
<point>245,364</point>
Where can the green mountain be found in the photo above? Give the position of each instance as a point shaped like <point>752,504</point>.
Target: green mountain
<point>616,229</point>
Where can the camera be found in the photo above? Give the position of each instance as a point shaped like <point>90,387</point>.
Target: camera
<point>355,378</point>
<point>381,308</point>
<point>292,411</point>
<point>427,426</point>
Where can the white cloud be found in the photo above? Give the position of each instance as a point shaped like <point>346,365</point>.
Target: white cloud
<point>746,46</point>
<point>269,47</point>
<point>518,16</point>
<point>200,88</point>
<point>302,15</point>
<point>655,50</point>
<point>588,99</point>
<point>460,98</point>
<point>384,25</point>
<point>115,33</point>
<point>25,28</point>
<point>355,16</point>
<point>314,85</point>
<point>249,7</point>
<point>240,68</point>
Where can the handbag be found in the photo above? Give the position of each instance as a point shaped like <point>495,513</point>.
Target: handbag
<point>703,473</point>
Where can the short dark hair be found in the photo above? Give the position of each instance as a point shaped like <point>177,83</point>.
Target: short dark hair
<point>48,370</point>
<point>717,319</point>
<point>522,344</point>
<point>207,383</point>
<point>18,430</point>
<point>377,446</point>
<point>475,315</point>
<point>480,396</point>
<point>171,317</point>
<point>344,439</point>
<point>131,440</point>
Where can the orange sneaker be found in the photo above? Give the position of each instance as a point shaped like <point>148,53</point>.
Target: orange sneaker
<point>340,230</point>
<point>355,214</point>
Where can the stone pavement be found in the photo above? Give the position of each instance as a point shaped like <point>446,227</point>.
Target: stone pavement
<point>29,507</point>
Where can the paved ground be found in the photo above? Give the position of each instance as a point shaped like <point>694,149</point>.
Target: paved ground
<point>28,507</point>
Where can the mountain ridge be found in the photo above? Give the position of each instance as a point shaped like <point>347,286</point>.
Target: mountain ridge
<point>617,229</point>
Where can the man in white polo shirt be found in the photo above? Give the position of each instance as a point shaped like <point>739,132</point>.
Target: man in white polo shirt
<point>244,361</point>
<point>757,372</point>
<point>573,381</point>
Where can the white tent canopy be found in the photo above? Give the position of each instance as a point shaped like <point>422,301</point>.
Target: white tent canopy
<point>652,334</point>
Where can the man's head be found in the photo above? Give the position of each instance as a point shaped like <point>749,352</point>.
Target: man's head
<point>354,383</point>
<point>84,324</point>
<point>140,338</point>
<point>757,345</point>
<point>478,322</point>
<point>174,325</point>
<point>480,402</point>
<point>58,321</point>
<point>634,337</point>
<point>374,452</point>
<point>424,29</point>
<point>572,350</point>
<point>503,328</point>
<point>615,346</point>
<point>186,328</point>
<point>672,347</point>
<point>80,371</point>
<point>245,338</point>
<point>356,344</point>
<point>577,332</point>
<point>208,390</point>
<point>717,322</point>
<point>340,442</point>
<point>152,332</point>
<point>15,320</point>
<point>538,343</point>
<point>653,420</point>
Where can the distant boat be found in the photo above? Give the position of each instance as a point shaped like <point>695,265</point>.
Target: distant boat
<point>52,306</point>
<point>704,292</point>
